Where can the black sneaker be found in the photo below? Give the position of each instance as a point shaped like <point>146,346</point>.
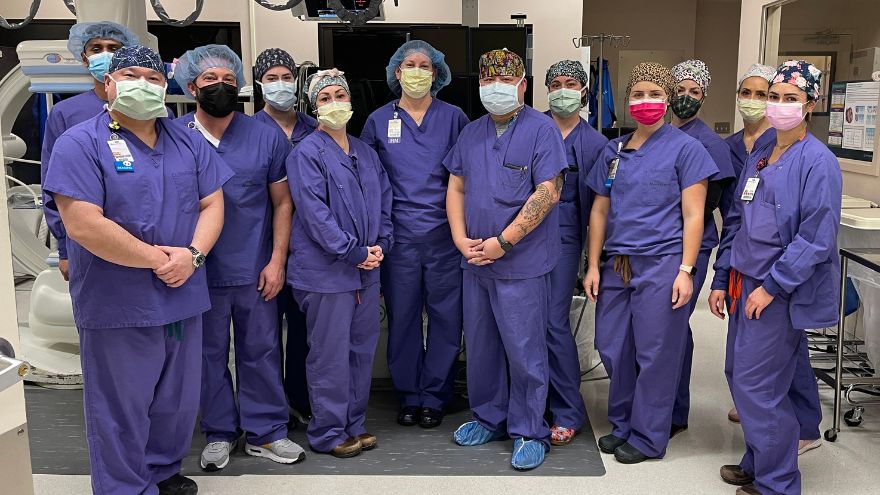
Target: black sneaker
<point>627,454</point>
<point>608,443</point>
<point>408,416</point>
<point>431,418</point>
<point>178,485</point>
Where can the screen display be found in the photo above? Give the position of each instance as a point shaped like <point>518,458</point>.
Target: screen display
<point>321,9</point>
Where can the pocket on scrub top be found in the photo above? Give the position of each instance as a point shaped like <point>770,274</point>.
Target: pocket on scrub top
<point>187,190</point>
<point>249,188</point>
<point>513,175</point>
<point>763,229</point>
<point>515,185</point>
<point>658,188</point>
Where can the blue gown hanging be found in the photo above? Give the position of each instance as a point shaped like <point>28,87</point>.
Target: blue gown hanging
<point>608,115</point>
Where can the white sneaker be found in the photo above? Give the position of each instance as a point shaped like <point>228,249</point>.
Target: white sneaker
<point>215,456</point>
<point>284,451</point>
<point>815,444</point>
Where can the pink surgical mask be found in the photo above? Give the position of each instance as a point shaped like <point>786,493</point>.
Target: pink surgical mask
<point>648,111</point>
<point>785,116</point>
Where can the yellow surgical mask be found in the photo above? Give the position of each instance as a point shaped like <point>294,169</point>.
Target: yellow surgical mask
<point>416,82</point>
<point>335,114</point>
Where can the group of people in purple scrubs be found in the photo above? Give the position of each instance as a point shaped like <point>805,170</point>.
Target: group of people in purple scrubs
<point>185,237</point>
<point>778,190</point>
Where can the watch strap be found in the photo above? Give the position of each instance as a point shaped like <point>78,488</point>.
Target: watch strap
<point>506,246</point>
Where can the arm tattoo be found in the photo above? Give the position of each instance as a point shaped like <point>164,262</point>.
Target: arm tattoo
<point>536,208</point>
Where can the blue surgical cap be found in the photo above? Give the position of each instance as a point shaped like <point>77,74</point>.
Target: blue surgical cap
<point>198,60</point>
<point>444,75</point>
<point>81,33</point>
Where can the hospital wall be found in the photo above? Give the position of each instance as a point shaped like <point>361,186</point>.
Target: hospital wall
<point>856,21</point>
<point>669,32</point>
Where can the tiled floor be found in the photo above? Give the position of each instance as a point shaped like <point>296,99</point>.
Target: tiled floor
<point>850,466</point>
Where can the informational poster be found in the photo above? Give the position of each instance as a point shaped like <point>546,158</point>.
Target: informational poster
<point>853,119</point>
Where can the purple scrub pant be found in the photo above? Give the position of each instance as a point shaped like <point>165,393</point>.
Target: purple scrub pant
<point>804,393</point>
<point>505,334</point>
<point>261,408</point>
<point>564,400</point>
<point>763,354</point>
<point>416,276</point>
<point>343,330</point>
<point>141,399</point>
<point>296,350</point>
<point>641,340</point>
<point>683,397</point>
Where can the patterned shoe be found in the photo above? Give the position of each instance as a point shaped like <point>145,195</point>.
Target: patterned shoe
<point>473,433</point>
<point>560,435</point>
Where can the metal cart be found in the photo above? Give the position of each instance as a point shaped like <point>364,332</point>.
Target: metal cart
<point>852,372</point>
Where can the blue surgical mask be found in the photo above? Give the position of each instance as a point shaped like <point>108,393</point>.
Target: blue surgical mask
<point>500,98</point>
<point>99,63</point>
<point>281,95</point>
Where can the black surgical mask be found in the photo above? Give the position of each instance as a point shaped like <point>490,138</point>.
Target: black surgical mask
<point>218,99</point>
<point>686,106</point>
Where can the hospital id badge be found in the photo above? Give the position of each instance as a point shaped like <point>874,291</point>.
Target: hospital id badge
<point>122,158</point>
<point>612,172</point>
<point>394,127</point>
<point>751,186</point>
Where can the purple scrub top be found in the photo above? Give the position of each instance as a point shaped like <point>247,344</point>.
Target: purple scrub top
<point>720,153</point>
<point>64,115</point>
<point>157,202</point>
<point>343,206</point>
<point>414,163</point>
<point>807,186</point>
<point>305,125</point>
<point>255,152</point>
<point>645,215</point>
<point>500,174</point>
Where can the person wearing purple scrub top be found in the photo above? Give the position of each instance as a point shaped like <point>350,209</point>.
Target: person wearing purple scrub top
<point>275,72</point>
<point>506,175</point>
<point>94,43</point>
<point>692,87</point>
<point>412,135</point>
<point>142,204</point>
<point>567,83</point>
<point>245,270</point>
<point>341,233</point>
<point>778,264</point>
<point>648,216</point>
<point>757,133</point>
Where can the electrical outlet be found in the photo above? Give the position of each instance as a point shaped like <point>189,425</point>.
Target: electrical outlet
<point>722,127</point>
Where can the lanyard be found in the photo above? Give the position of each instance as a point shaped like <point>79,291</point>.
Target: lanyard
<point>612,166</point>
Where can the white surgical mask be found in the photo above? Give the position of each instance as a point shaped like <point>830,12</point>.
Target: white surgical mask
<point>500,98</point>
<point>281,95</point>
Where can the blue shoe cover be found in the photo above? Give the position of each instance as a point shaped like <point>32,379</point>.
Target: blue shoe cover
<point>527,454</point>
<point>473,433</point>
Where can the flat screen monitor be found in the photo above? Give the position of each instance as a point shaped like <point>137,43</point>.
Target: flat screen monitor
<point>320,10</point>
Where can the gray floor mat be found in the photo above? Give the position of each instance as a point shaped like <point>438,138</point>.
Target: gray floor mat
<point>58,446</point>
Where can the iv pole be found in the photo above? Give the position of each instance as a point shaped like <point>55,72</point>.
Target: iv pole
<point>600,39</point>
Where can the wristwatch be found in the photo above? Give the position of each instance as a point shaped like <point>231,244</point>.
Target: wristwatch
<point>690,270</point>
<point>506,246</point>
<point>198,256</point>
